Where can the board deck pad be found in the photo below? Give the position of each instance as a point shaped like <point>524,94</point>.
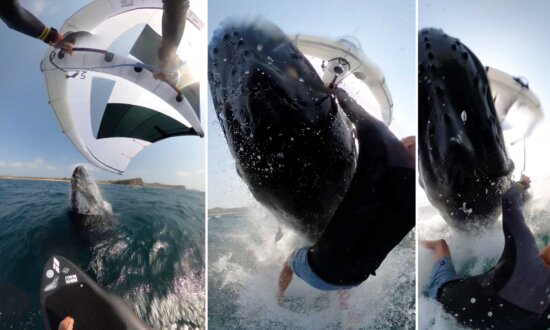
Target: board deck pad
<point>67,291</point>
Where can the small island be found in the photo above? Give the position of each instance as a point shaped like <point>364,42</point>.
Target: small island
<point>127,182</point>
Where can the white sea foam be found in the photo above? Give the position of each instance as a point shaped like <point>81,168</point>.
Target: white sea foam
<point>383,301</point>
<point>472,252</point>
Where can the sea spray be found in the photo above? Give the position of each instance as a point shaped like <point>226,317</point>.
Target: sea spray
<point>473,252</point>
<point>244,264</point>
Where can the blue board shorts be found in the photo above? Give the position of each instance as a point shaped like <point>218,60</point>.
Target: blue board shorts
<point>299,264</point>
<point>443,271</point>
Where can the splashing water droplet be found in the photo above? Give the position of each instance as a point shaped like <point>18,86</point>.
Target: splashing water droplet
<point>464,116</point>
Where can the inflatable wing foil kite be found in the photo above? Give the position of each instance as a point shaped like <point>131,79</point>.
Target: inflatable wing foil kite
<point>518,108</point>
<point>104,94</point>
<point>342,62</point>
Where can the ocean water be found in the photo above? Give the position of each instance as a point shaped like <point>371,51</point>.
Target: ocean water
<point>473,252</point>
<point>150,252</point>
<point>245,257</point>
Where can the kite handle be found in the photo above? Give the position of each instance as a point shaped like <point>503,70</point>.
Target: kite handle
<point>108,55</point>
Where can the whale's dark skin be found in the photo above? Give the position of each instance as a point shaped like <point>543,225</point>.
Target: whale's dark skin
<point>292,146</point>
<point>83,196</point>
<point>463,163</point>
<point>310,154</point>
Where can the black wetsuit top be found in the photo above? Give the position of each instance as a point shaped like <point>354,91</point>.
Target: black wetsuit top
<point>173,24</point>
<point>21,20</point>
<point>515,294</point>
<point>378,209</point>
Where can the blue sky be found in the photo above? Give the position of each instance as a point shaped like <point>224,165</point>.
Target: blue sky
<point>511,36</point>
<point>31,142</point>
<point>386,31</point>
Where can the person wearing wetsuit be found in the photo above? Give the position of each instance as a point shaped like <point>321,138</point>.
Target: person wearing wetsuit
<point>19,19</point>
<point>514,294</point>
<point>377,211</point>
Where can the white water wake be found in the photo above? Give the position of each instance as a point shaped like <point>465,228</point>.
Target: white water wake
<point>384,301</point>
<point>472,252</point>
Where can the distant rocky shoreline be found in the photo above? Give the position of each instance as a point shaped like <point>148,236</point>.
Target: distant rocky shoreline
<point>135,182</point>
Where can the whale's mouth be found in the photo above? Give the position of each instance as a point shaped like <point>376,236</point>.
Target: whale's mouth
<point>86,198</point>
<point>292,145</point>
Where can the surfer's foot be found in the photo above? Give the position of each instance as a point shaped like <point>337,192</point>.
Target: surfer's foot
<point>66,324</point>
<point>439,247</point>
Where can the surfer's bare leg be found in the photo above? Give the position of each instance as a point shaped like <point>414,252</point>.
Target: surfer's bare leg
<point>439,247</point>
<point>343,297</point>
<point>351,319</point>
<point>285,277</point>
<point>66,324</point>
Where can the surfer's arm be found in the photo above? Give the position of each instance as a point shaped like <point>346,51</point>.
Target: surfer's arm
<point>19,19</point>
<point>173,25</point>
<point>350,107</point>
<point>285,277</point>
<point>513,222</point>
<point>371,129</point>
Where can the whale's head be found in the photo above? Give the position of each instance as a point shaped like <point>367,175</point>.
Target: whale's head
<point>291,143</point>
<point>86,198</point>
<point>463,160</point>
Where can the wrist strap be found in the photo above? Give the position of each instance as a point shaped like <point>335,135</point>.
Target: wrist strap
<point>49,35</point>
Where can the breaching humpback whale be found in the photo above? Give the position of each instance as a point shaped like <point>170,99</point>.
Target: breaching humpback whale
<point>463,163</point>
<point>310,153</point>
<point>86,198</point>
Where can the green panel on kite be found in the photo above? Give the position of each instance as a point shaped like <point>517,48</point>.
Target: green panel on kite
<point>132,121</point>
